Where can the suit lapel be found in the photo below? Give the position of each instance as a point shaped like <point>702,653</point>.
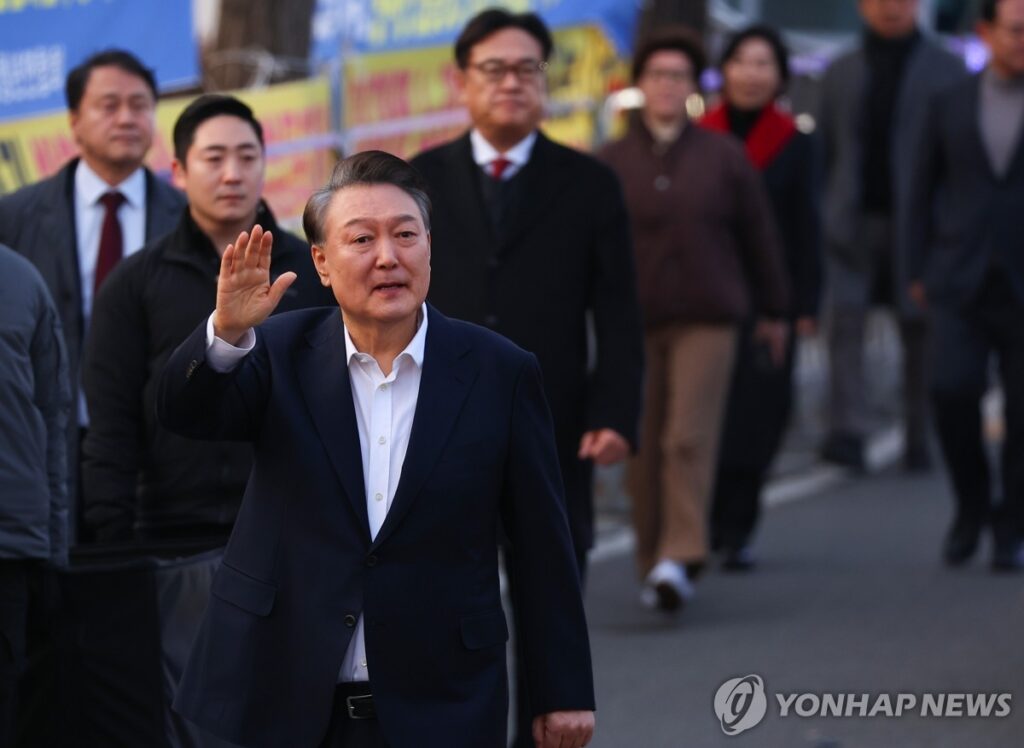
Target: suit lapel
<point>465,183</point>
<point>58,234</point>
<point>323,373</point>
<point>971,109</point>
<point>543,180</point>
<point>162,215</point>
<point>448,374</point>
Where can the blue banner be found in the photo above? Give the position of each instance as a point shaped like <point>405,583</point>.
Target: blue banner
<point>41,40</point>
<point>366,26</point>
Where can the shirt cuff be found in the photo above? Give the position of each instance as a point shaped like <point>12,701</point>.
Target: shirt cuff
<point>221,355</point>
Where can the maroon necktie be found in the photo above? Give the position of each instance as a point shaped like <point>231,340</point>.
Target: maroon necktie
<point>111,241</point>
<point>498,166</point>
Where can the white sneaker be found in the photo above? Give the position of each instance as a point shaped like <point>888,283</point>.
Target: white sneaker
<point>669,582</point>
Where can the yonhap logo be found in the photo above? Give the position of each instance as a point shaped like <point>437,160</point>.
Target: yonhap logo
<point>740,704</point>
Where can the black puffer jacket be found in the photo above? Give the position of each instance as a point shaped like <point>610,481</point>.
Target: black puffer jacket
<point>140,481</point>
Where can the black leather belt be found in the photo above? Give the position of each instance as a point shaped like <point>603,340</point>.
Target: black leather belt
<point>355,700</point>
<point>361,707</point>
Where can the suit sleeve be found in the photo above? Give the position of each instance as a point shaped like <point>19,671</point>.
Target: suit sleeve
<point>759,242</point>
<point>114,371</point>
<point>52,397</point>
<point>808,280</point>
<point>925,172</point>
<point>615,386</point>
<point>553,640</point>
<point>195,401</point>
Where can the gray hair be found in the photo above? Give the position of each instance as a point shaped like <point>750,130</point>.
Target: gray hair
<point>368,167</point>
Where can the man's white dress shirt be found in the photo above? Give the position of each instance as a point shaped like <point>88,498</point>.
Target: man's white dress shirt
<point>89,214</point>
<point>385,406</point>
<point>518,155</point>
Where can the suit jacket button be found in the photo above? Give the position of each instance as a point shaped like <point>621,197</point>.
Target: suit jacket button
<point>350,620</point>
<point>371,560</point>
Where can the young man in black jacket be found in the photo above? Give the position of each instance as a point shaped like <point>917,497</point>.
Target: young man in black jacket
<point>141,482</point>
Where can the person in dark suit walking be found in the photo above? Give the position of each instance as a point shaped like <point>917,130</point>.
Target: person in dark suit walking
<point>102,205</point>
<point>755,71</point>
<point>531,239</point>
<point>358,601</point>
<point>873,104</point>
<point>967,270</point>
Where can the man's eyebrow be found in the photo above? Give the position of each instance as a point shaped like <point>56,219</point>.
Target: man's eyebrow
<point>393,220</point>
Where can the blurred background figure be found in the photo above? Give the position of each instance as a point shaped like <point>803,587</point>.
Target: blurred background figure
<point>708,258</point>
<point>872,109</point>
<point>968,271</point>
<point>531,239</point>
<point>35,399</point>
<point>755,71</point>
<point>104,204</point>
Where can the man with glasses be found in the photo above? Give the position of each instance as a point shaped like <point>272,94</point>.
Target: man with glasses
<point>531,239</point>
<point>967,271</point>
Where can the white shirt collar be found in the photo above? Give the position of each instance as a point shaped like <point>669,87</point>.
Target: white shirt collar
<point>89,187</point>
<point>414,350</point>
<point>484,153</point>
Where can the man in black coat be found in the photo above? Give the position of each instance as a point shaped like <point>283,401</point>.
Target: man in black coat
<point>540,251</point>
<point>57,223</point>
<point>140,481</point>
<point>531,239</point>
<point>967,269</point>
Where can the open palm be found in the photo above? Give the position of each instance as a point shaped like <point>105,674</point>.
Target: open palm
<point>245,296</point>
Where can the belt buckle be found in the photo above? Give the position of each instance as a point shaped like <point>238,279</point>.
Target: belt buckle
<point>353,703</point>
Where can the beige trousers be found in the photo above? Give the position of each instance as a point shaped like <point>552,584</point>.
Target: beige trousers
<point>688,371</point>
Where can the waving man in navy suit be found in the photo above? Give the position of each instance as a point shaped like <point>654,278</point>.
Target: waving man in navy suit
<point>358,602</point>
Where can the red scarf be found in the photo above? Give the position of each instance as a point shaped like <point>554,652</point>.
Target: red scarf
<point>767,137</point>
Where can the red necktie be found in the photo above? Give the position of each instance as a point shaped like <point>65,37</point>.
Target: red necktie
<point>111,241</point>
<point>498,166</point>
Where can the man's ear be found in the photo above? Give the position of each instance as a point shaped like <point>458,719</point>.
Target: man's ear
<point>320,263</point>
<point>178,174</point>
<point>460,85</point>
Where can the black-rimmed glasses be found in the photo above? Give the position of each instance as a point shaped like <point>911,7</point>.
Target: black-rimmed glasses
<point>494,71</point>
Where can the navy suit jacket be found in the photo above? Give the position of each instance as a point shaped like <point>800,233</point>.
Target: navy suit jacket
<point>965,217</point>
<point>300,566</point>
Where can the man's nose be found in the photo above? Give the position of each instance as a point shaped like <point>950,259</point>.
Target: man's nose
<point>386,255</point>
<point>232,170</point>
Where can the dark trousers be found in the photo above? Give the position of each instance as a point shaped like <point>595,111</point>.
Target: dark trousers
<point>756,416</point>
<point>17,581</point>
<point>345,732</point>
<point>964,343</point>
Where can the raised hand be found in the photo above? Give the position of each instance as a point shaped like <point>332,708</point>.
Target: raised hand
<point>245,296</point>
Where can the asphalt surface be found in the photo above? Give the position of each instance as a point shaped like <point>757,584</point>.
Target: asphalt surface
<point>850,596</point>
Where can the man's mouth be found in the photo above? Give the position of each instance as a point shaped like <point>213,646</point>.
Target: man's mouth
<point>388,286</point>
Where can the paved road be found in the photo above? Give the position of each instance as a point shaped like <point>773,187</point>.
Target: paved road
<point>849,597</point>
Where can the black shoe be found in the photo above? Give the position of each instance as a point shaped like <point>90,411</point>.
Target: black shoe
<point>1008,556</point>
<point>738,559</point>
<point>844,449</point>
<point>961,542</point>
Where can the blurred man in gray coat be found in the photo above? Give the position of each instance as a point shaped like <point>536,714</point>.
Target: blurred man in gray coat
<point>873,108</point>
